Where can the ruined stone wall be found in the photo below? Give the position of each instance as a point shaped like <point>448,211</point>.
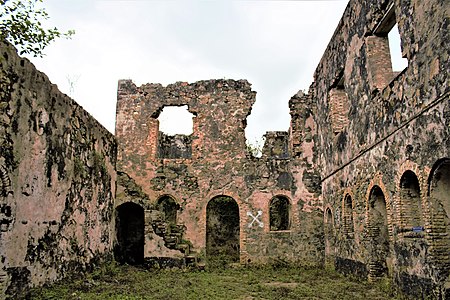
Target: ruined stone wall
<point>57,189</point>
<point>393,134</point>
<point>218,165</point>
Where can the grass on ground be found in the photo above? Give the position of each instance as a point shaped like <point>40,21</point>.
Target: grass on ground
<point>127,282</point>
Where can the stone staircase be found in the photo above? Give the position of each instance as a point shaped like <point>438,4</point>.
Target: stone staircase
<point>172,235</point>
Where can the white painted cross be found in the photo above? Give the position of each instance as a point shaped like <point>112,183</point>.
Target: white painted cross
<point>255,219</point>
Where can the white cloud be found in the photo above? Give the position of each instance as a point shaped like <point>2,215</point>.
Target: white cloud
<point>275,45</point>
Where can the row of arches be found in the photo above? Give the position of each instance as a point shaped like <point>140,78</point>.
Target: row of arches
<point>222,225</point>
<point>416,212</point>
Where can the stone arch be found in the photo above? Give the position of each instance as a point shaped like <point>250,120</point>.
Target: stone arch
<point>348,225</point>
<point>328,216</point>
<point>377,181</point>
<point>223,229</point>
<point>438,195</point>
<point>130,221</point>
<point>169,208</point>
<point>378,233</point>
<point>279,213</point>
<point>328,228</point>
<point>411,213</point>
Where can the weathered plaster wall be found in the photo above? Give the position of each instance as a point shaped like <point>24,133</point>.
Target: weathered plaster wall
<point>395,122</point>
<point>58,177</point>
<point>219,165</point>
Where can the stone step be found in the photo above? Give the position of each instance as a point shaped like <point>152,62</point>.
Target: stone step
<point>183,247</point>
<point>190,260</point>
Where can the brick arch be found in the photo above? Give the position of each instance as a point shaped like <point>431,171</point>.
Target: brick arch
<point>168,208</point>
<point>438,214</point>
<point>377,181</point>
<point>348,220</point>
<point>328,231</point>
<point>377,232</point>
<point>328,207</point>
<point>285,224</point>
<point>402,212</point>
<point>201,224</point>
<point>409,165</point>
<point>223,228</point>
<point>242,206</point>
<point>138,201</point>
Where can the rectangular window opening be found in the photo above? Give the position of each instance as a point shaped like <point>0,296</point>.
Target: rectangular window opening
<point>384,53</point>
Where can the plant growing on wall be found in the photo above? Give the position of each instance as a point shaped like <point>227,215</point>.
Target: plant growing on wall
<point>21,25</point>
<point>255,147</point>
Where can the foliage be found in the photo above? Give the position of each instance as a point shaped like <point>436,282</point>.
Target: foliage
<point>21,24</point>
<point>280,281</point>
<point>255,147</point>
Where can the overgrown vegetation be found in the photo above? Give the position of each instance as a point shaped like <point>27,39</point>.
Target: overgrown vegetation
<point>269,282</point>
<point>21,24</point>
<point>255,147</point>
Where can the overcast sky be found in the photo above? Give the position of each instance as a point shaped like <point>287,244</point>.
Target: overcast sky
<point>275,45</point>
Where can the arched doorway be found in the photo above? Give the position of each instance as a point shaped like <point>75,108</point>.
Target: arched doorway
<point>168,207</point>
<point>439,197</point>
<point>130,234</point>
<point>378,233</point>
<point>222,229</point>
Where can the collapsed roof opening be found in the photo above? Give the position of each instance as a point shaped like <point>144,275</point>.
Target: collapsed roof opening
<point>176,120</point>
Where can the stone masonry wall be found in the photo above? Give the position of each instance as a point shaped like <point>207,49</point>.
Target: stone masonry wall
<point>58,177</point>
<point>219,166</point>
<point>398,132</point>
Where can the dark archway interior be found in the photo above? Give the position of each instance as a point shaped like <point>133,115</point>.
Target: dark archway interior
<point>279,213</point>
<point>348,215</point>
<point>168,207</point>
<point>328,220</point>
<point>130,234</point>
<point>439,190</point>
<point>222,229</point>
<point>410,198</point>
<point>378,232</point>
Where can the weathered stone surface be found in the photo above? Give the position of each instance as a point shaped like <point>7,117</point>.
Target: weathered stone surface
<point>361,181</point>
<point>394,138</point>
<point>218,166</point>
<point>57,180</point>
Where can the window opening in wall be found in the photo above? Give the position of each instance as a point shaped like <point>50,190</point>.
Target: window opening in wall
<point>222,229</point>
<point>348,216</point>
<point>130,234</point>
<point>279,213</point>
<point>175,132</point>
<point>168,208</point>
<point>338,105</point>
<point>398,61</point>
<point>378,233</point>
<point>384,55</point>
<point>176,120</point>
<point>411,206</point>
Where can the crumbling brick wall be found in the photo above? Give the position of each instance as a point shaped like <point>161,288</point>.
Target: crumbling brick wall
<point>396,132</point>
<point>57,167</point>
<point>219,165</point>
